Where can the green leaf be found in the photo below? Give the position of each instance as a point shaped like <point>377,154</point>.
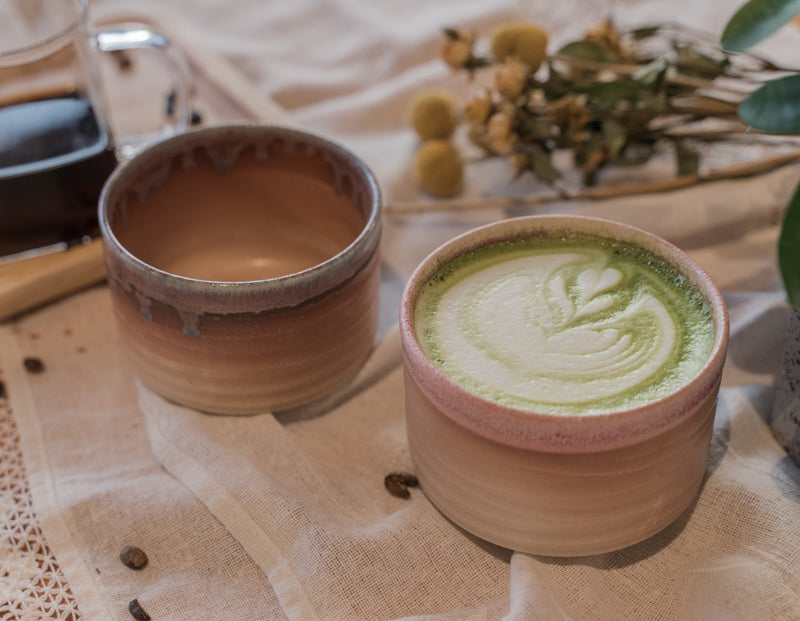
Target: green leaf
<point>789,250</point>
<point>615,136</point>
<point>541,165</point>
<point>652,75</point>
<point>536,130</point>
<point>755,21</point>
<point>693,63</point>
<point>557,84</point>
<point>645,32</point>
<point>653,103</point>
<point>586,50</point>
<point>610,92</point>
<point>775,107</point>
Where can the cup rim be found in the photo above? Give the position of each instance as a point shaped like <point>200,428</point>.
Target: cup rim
<point>550,432</point>
<point>285,290</point>
<point>82,11</point>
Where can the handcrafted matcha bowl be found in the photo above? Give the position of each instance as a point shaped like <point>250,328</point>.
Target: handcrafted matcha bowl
<point>243,262</point>
<point>553,484</point>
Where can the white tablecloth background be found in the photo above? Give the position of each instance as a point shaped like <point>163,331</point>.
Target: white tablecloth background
<point>285,516</point>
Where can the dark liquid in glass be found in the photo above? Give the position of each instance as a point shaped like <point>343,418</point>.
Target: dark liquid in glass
<point>54,159</point>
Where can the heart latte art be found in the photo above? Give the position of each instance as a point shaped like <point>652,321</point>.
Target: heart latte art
<point>564,325</point>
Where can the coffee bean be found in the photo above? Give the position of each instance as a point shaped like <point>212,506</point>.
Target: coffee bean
<point>33,365</point>
<point>133,557</point>
<point>397,483</point>
<point>137,612</point>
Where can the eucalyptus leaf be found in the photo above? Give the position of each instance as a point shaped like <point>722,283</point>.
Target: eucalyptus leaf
<point>789,251</point>
<point>610,92</point>
<point>775,107</point>
<point>542,166</point>
<point>615,136</point>
<point>653,103</point>
<point>537,130</point>
<point>653,73</point>
<point>755,21</point>
<point>645,32</point>
<point>557,84</point>
<point>586,50</point>
<point>694,63</point>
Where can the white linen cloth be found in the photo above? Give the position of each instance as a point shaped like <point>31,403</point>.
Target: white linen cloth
<point>284,516</point>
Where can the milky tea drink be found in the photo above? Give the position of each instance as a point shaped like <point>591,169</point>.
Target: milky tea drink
<point>561,378</point>
<point>565,324</point>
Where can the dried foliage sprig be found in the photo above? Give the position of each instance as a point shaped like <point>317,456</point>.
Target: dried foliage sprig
<point>611,98</point>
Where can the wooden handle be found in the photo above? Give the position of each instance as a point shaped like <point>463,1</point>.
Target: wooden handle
<point>28,283</point>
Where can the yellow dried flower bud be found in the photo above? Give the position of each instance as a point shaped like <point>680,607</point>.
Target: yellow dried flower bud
<point>477,135</point>
<point>510,79</point>
<point>508,108</point>
<point>500,137</point>
<point>434,114</point>
<point>606,35</point>
<point>536,97</point>
<point>478,108</point>
<point>570,112</point>
<point>519,162</point>
<point>527,42</point>
<point>438,168</point>
<point>457,49</point>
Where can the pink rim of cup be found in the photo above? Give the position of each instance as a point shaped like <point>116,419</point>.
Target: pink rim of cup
<point>549,432</point>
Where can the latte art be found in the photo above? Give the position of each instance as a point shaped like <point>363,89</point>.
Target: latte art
<point>564,327</point>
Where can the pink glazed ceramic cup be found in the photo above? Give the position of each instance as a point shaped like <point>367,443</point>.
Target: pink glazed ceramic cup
<point>243,262</point>
<point>554,484</point>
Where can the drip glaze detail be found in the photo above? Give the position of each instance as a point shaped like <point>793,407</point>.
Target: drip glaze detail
<point>143,175</point>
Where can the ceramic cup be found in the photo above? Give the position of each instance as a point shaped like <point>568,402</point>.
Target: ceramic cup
<point>243,262</point>
<point>556,484</point>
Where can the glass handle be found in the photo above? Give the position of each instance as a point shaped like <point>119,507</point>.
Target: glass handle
<point>134,36</point>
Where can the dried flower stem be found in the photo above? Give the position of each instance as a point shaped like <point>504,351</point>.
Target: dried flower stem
<point>703,106</point>
<point>735,171</point>
<point>631,69</point>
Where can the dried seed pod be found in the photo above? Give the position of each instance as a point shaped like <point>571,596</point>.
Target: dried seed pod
<point>137,612</point>
<point>133,557</point>
<point>33,365</point>
<point>397,483</point>
<point>438,168</point>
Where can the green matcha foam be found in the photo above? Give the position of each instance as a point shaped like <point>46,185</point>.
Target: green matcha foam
<point>565,325</point>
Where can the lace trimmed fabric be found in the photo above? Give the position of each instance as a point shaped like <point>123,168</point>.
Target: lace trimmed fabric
<point>31,583</point>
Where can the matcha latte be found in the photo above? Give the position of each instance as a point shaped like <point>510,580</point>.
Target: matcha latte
<point>572,324</point>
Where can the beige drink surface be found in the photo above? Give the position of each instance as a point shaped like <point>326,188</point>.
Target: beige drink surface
<point>564,325</point>
<point>251,223</point>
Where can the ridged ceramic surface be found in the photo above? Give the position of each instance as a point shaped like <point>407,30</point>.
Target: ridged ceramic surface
<point>561,485</point>
<point>265,340</point>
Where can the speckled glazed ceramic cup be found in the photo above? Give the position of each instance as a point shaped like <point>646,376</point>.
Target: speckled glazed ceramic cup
<point>555,484</point>
<point>243,262</point>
